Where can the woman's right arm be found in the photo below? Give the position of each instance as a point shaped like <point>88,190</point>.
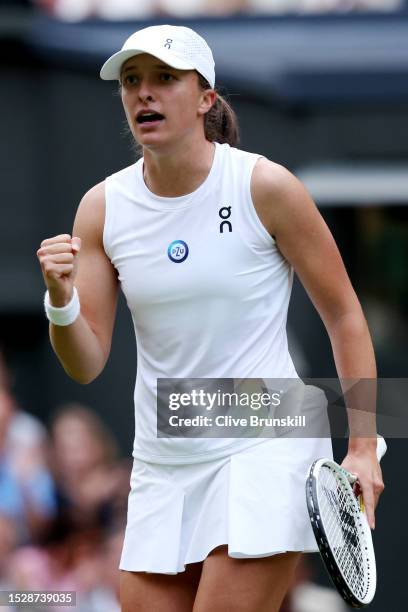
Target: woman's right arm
<point>83,346</point>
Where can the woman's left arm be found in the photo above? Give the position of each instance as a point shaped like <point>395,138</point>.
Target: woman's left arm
<point>302,236</point>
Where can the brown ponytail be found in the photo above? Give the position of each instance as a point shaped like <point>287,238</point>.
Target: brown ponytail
<point>220,123</point>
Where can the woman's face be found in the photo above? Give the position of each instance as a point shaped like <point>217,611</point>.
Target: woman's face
<point>148,84</point>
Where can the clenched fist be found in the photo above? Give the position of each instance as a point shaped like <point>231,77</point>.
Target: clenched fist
<point>58,257</point>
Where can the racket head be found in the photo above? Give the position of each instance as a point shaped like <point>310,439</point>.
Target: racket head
<point>342,533</point>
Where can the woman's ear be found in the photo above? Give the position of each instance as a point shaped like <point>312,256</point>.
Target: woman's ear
<point>207,100</point>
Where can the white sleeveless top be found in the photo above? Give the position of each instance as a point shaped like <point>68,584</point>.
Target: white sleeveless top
<point>207,288</point>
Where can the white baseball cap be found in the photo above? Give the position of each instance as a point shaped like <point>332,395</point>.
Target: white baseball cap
<point>177,46</point>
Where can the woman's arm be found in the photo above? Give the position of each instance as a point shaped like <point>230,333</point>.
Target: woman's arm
<point>302,236</point>
<point>82,347</point>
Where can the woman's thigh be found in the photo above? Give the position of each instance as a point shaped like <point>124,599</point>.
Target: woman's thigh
<point>142,592</point>
<point>244,585</point>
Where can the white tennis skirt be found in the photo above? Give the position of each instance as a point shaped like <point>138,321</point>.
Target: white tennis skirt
<point>253,501</point>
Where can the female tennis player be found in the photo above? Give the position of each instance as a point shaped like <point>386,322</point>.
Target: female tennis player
<point>202,238</point>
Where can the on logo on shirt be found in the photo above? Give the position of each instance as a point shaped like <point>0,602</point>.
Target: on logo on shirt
<point>225,213</point>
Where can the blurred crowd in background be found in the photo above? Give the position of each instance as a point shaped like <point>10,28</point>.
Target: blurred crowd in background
<point>63,501</point>
<point>77,10</point>
<point>63,496</point>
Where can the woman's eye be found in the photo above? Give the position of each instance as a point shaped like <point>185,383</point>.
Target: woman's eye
<point>166,76</point>
<point>130,79</point>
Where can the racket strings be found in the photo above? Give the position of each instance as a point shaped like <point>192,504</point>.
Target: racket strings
<point>345,542</point>
<point>351,559</point>
<point>340,516</point>
<point>347,529</point>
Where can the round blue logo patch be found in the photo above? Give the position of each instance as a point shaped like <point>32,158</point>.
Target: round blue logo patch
<point>178,251</point>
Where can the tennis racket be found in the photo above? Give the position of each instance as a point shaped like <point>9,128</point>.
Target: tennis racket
<point>341,529</point>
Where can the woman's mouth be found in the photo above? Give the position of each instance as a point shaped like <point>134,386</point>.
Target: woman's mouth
<point>149,118</point>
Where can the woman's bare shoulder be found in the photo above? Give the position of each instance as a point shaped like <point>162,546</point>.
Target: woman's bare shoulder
<point>278,195</point>
<point>90,217</point>
<point>272,179</point>
<point>93,200</point>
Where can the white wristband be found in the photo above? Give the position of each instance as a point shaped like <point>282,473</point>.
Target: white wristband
<point>65,315</point>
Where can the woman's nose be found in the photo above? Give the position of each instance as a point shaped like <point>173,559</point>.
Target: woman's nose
<point>145,93</point>
<point>146,98</point>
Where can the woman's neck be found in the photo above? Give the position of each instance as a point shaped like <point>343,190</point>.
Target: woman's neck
<point>180,172</point>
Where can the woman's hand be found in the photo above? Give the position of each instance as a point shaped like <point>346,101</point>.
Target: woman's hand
<point>362,462</point>
<point>58,258</point>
